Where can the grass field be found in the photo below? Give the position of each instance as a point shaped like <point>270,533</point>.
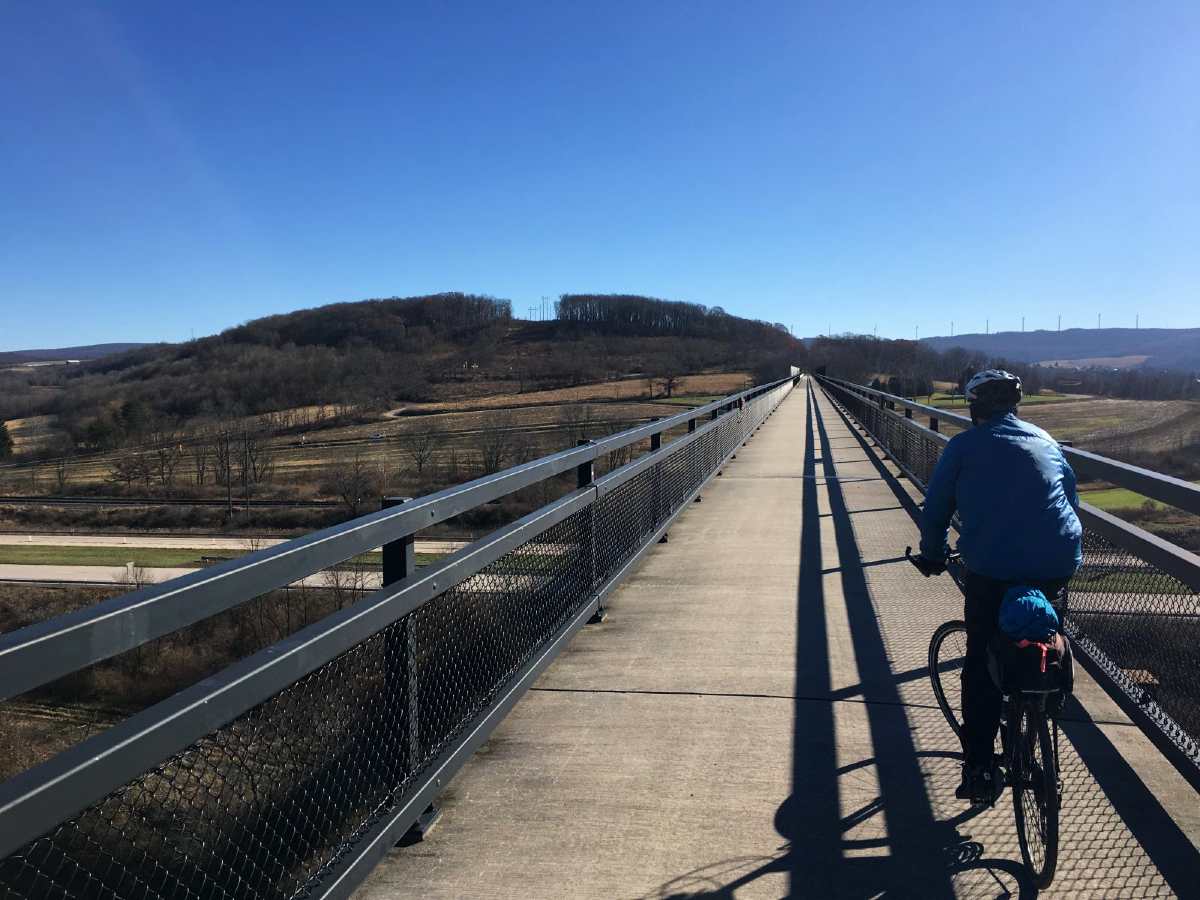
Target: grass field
<point>943,400</point>
<point>149,557</point>
<point>1114,499</point>
<point>1105,425</point>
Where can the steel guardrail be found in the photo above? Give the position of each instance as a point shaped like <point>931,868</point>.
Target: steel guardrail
<point>1146,482</point>
<point>40,653</point>
<point>345,729</point>
<point>1134,605</point>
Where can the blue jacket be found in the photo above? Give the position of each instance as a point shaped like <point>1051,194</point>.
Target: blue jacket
<point>1015,496</point>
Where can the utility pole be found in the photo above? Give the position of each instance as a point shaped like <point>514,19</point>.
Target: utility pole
<point>951,328</point>
<point>987,326</point>
<point>1060,323</point>
<point>1137,321</point>
<point>1022,324</point>
<point>1098,320</point>
<point>916,332</point>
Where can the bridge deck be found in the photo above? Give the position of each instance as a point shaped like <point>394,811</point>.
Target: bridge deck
<point>754,719</point>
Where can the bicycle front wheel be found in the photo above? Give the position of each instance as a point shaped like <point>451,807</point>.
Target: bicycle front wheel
<point>947,656</point>
<point>1033,774</point>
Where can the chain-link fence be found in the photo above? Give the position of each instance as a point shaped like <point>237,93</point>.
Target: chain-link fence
<point>296,794</point>
<point>1134,604</point>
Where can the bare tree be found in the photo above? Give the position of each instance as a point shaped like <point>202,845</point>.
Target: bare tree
<point>496,444</point>
<point>420,447</point>
<point>168,451</point>
<point>620,456</point>
<point>129,470</point>
<point>61,472</point>
<point>347,582</point>
<point>452,466</point>
<point>524,448</point>
<point>354,484</point>
<point>200,451</point>
<point>255,460</point>
<point>578,421</point>
<point>223,453</point>
<point>670,379</point>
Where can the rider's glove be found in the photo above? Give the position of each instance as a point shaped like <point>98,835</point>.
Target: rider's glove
<point>928,567</point>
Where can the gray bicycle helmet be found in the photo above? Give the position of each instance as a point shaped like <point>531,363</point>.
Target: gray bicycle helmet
<point>993,390</point>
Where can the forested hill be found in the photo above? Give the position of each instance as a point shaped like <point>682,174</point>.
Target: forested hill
<point>373,354</point>
<point>1161,348</point>
<point>59,354</point>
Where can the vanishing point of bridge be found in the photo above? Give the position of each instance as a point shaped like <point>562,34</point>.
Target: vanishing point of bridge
<point>751,716</point>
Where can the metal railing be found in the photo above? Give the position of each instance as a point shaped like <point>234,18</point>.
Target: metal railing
<point>292,772</point>
<point>1134,605</point>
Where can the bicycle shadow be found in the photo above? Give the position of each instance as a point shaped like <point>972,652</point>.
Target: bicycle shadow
<point>855,877</point>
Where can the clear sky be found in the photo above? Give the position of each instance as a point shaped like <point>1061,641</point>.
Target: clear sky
<point>175,167</point>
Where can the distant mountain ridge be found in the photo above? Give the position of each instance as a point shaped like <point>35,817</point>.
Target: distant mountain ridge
<point>1160,348</point>
<point>58,354</point>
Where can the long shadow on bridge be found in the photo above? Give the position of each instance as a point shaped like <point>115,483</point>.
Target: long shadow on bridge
<point>817,856</point>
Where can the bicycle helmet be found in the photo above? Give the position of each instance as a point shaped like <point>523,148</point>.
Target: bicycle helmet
<point>993,390</point>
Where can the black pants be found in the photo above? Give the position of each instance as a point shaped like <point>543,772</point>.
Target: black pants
<point>980,696</point>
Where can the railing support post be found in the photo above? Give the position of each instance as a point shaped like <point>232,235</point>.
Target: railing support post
<point>908,412</point>
<point>584,475</point>
<point>933,423</point>
<point>400,669</point>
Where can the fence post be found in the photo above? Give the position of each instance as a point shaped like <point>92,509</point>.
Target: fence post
<point>584,476</point>
<point>908,412</point>
<point>400,668</point>
<point>933,423</point>
<point>656,503</point>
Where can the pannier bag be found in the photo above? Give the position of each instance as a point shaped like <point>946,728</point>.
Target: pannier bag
<point>1028,653</point>
<point>1024,665</point>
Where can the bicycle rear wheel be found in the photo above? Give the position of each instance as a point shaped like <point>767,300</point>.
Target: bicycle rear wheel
<point>1033,774</point>
<point>947,655</point>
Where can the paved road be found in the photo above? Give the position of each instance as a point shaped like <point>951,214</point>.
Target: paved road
<point>101,575</point>
<point>118,574</point>
<point>754,720</point>
<point>183,541</point>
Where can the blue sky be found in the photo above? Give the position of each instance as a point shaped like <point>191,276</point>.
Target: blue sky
<point>175,168</point>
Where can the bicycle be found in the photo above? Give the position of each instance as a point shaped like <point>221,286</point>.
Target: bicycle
<point>1028,759</point>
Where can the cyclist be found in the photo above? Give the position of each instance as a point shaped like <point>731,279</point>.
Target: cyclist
<point>1015,496</point>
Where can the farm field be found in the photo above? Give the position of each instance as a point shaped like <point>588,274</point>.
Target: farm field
<point>1117,499</point>
<point>945,400</point>
<point>31,434</point>
<point>1115,427</point>
<point>1110,426</point>
<point>717,384</point>
<point>539,422</point>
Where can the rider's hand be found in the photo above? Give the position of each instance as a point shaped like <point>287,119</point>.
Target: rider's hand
<point>927,566</point>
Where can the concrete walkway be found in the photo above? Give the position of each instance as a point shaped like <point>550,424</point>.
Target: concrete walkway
<point>754,719</point>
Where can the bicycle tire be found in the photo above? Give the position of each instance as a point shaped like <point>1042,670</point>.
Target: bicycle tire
<point>947,655</point>
<point>1033,774</point>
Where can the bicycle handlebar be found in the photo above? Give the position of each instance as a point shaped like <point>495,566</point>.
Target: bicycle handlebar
<point>928,567</point>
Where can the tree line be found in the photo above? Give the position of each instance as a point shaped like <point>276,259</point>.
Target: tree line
<point>909,368</point>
